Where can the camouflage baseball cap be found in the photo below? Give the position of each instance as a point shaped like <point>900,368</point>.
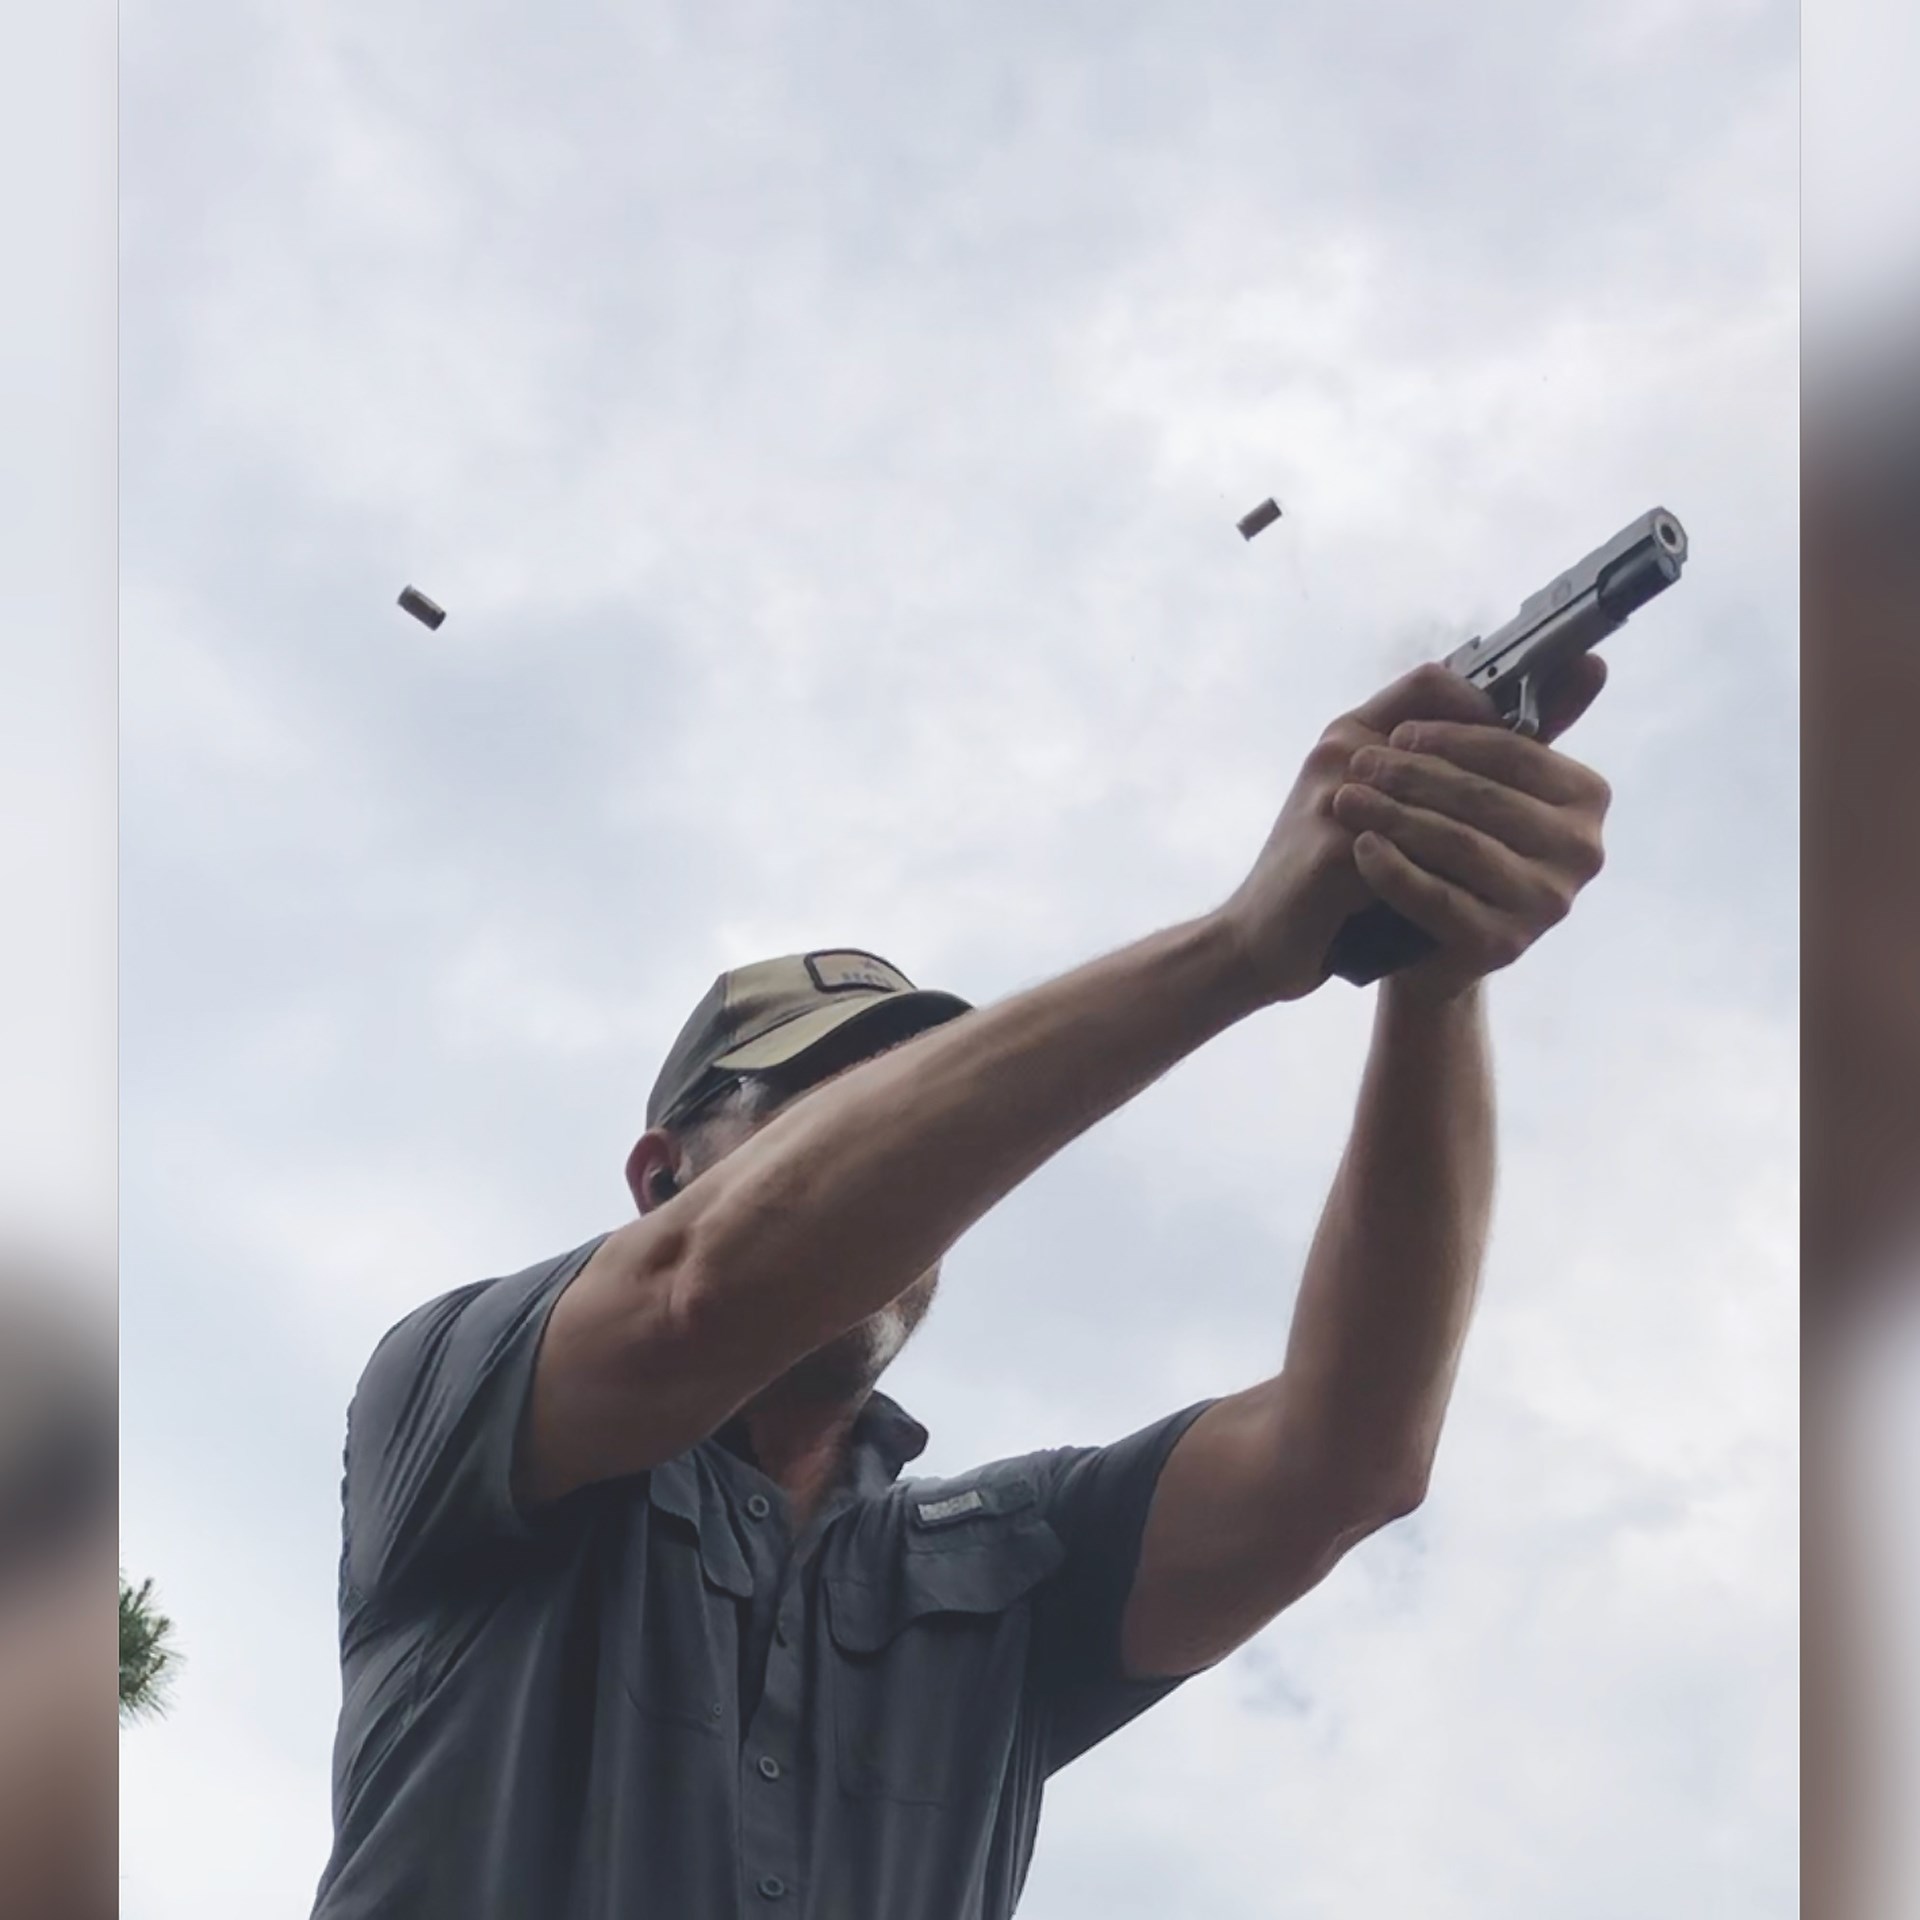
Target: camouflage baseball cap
<point>824,1008</point>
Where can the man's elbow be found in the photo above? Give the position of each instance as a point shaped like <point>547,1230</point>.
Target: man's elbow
<point>1404,1499</point>
<point>1381,1500</point>
<point>1356,1487</point>
<point>1401,1493</point>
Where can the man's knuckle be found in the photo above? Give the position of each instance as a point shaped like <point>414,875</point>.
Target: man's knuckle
<point>1506,944</point>
<point>1577,852</point>
<point>1514,760</point>
<point>1492,798</point>
<point>1466,849</point>
<point>1493,939</point>
<point>1442,692</point>
<point>1335,748</point>
<point>1584,787</point>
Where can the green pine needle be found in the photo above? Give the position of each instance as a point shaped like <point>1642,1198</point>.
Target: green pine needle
<point>148,1658</point>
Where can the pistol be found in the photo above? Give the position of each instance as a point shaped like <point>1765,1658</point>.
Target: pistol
<point>1513,665</point>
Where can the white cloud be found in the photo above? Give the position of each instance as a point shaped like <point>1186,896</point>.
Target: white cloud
<point>827,442</point>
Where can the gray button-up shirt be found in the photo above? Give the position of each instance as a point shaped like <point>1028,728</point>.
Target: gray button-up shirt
<point>653,1701</point>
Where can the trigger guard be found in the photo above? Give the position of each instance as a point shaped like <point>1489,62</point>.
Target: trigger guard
<point>1526,714</point>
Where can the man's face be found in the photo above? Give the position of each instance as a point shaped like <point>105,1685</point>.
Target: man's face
<point>845,1368</point>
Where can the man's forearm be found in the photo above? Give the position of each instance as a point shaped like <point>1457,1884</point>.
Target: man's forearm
<point>846,1197</point>
<point>1389,1286</point>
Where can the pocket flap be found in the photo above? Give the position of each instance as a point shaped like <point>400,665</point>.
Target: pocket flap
<point>674,1488</point>
<point>985,1577</point>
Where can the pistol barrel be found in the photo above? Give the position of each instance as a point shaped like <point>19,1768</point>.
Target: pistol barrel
<point>1574,612</point>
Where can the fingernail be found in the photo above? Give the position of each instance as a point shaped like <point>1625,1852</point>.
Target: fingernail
<point>1406,736</point>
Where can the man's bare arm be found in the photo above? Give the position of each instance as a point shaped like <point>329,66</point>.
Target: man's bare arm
<point>1267,1490</point>
<point>1482,839</point>
<point>848,1195</point>
<point>843,1199</point>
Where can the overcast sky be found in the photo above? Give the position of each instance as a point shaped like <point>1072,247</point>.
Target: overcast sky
<point>826,427</point>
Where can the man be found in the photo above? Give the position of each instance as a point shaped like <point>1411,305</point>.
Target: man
<point>639,1617</point>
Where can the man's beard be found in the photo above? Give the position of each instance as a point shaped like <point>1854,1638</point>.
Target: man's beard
<point>847,1368</point>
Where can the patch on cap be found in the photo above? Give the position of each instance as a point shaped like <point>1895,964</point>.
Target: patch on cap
<point>847,970</point>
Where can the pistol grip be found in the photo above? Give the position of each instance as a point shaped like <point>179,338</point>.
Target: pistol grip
<point>1376,941</point>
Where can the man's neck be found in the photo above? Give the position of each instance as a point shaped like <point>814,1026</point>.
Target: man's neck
<point>801,1444</point>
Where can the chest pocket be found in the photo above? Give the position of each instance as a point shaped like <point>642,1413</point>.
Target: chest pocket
<point>929,1658</point>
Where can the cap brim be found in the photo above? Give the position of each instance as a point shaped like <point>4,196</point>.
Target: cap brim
<point>874,1019</point>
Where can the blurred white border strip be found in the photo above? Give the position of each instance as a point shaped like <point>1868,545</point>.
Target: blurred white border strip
<point>1859,159</point>
<point>58,630</point>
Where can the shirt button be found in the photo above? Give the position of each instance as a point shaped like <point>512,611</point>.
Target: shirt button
<point>781,1633</point>
<point>769,1767</point>
<point>759,1506</point>
<point>772,1886</point>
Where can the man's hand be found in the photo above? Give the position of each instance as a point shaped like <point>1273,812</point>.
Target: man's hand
<point>1484,837</point>
<point>1423,798</point>
<point>1479,836</point>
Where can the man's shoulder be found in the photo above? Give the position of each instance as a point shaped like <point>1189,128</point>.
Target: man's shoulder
<point>500,1301</point>
<point>1048,1482</point>
<point>973,1543</point>
<point>996,1488</point>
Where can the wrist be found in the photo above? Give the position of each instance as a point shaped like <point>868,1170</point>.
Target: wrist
<point>1413,996</point>
<point>1231,980</point>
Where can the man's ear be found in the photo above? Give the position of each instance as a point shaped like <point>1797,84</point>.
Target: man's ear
<point>653,1172</point>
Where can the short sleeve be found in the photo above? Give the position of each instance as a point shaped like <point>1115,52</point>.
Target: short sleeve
<point>1096,1500</point>
<point>432,1428</point>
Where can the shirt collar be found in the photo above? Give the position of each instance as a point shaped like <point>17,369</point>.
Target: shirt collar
<point>885,1438</point>
<point>892,1433</point>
